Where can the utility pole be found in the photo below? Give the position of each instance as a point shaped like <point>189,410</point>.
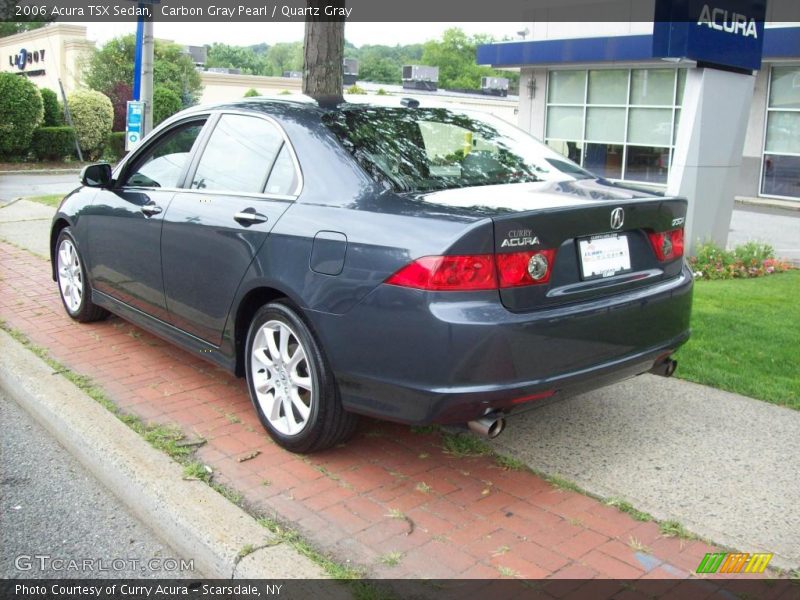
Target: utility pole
<point>148,44</point>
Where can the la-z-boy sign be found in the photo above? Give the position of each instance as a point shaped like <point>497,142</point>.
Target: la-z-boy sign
<point>25,58</point>
<point>723,33</point>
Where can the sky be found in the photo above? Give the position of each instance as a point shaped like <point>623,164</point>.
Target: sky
<point>245,34</point>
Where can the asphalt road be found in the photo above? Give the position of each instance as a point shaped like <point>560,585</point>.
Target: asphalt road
<point>15,186</point>
<point>54,510</point>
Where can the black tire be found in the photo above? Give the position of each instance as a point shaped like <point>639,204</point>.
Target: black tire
<point>84,311</point>
<point>327,423</point>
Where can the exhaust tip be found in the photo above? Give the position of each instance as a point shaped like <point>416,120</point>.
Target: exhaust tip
<point>490,426</point>
<point>665,368</point>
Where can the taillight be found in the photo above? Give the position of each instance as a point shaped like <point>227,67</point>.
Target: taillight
<point>471,272</point>
<point>476,271</point>
<point>524,268</point>
<point>667,245</point>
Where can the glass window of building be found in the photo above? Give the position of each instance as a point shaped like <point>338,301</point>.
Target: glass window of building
<point>780,171</point>
<point>617,123</point>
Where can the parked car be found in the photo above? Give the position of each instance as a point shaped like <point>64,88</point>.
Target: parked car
<point>411,263</point>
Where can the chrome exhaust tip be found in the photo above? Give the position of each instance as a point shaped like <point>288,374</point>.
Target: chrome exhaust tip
<point>665,368</point>
<point>489,426</point>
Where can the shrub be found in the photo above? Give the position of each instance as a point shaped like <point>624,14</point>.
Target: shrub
<point>92,117</point>
<point>53,143</point>
<point>115,146</point>
<point>752,259</point>
<point>119,94</point>
<point>284,93</point>
<point>381,92</point>
<point>165,104</point>
<point>251,93</point>
<point>354,89</point>
<point>21,112</point>
<point>53,116</point>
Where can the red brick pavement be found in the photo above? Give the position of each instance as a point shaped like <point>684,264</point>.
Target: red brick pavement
<point>361,501</point>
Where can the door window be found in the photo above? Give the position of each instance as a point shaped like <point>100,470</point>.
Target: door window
<point>162,165</point>
<point>239,155</point>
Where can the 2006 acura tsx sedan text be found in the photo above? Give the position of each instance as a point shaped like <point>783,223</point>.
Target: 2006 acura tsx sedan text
<point>412,263</point>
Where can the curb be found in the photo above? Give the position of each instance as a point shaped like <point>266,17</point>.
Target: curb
<point>192,518</point>
<point>787,205</point>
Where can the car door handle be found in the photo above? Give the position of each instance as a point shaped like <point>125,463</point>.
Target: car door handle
<point>151,209</point>
<point>249,217</point>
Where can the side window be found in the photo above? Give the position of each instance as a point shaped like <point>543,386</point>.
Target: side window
<point>283,178</point>
<point>162,165</point>
<point>238,156</point>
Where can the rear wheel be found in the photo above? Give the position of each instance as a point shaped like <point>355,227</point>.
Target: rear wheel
<point>76,292</point>
<point>290,383</point>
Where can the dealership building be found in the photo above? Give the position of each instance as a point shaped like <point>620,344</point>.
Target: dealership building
<point>597,93</point>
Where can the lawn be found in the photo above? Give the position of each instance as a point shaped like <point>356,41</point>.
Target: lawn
<point>746,337</point>
<point>49,199</point>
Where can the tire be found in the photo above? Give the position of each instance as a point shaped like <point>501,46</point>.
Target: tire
<point>291,385</point>
<point>73,284</point>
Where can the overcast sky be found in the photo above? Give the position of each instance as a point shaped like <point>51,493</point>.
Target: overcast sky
<point>245,34</point>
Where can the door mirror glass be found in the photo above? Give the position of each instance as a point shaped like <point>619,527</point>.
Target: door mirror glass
<point>98,175</point>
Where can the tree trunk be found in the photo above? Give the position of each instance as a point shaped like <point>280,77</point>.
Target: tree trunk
<point>323,55</point>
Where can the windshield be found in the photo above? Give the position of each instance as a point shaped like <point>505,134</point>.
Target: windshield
<point>426,149</point>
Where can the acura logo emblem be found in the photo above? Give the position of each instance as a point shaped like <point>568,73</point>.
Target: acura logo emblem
<point>617,218</point>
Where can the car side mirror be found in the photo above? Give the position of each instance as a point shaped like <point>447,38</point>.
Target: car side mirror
<point>97,175</point>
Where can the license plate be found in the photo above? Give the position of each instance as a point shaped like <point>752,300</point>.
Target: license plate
<point>604,256</point>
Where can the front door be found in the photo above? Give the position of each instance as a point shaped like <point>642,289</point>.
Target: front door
<point>125,222</point>
<point>238,188</point>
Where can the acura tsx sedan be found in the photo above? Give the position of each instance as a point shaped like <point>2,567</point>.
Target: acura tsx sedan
<point>420,264</point>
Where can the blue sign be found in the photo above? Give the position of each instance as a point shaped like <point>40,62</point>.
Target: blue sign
<point>718,33</point>
<point>134,124</point>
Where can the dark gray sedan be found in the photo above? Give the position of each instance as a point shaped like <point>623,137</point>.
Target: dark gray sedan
<point>411,263</point>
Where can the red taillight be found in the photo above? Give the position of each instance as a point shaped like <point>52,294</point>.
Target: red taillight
<point>524,268</point>
<point>472,272</point>
<point>667,245</point>
<point>475,272</point>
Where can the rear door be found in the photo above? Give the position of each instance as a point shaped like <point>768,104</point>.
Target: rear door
<point>239,185</point>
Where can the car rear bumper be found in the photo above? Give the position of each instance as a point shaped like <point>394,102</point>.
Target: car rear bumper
<point>420,357</point>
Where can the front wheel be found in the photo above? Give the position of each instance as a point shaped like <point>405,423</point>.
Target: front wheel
<point>73,285</point>
<point>290,383</point>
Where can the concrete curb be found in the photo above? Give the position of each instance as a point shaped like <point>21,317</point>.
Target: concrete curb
<point>189,516</point>
<point>790,205</point>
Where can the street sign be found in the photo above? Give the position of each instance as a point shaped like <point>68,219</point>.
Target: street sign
<point>134,124</point>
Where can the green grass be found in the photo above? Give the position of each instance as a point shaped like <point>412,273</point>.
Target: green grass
<point>48,199</point>
<point>745,337</point>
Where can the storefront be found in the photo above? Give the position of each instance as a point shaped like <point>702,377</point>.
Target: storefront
<point>607,104</point>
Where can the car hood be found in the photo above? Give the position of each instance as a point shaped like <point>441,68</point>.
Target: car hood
<point>521,197</point>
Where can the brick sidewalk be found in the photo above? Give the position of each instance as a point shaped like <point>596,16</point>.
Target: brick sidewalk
<point>389,490</point>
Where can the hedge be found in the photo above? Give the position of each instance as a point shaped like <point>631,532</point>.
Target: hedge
<point>115,146</point>
<point>92,117</point>
<point>53,116</point>
<point>21,112</point>
<point>53,143</point>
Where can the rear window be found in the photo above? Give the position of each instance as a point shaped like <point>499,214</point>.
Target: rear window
<point>425,149</point>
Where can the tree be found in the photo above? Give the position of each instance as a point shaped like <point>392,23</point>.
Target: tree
<point>238,57</point>
<point>323,53</point>
<point>455,57</point>
<point>11,27</point>
<point>284,57</point>
<point>173,68</point>
<point>165,104</point>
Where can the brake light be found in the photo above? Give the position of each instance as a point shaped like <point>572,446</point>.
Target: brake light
<point>470,272</point>
<point>475,271</point>
<point>667,245</point>
<point>524,268</point>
